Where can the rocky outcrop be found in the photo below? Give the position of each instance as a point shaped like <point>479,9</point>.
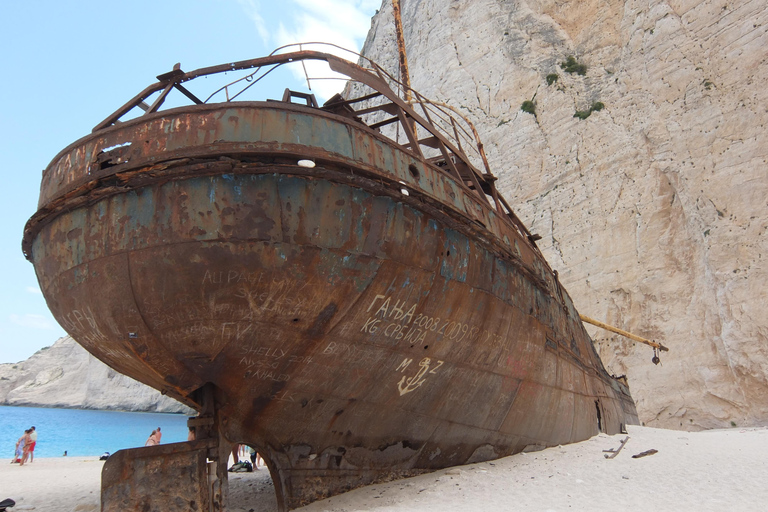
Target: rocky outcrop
<point>65,375</point>
<point>653,207</point>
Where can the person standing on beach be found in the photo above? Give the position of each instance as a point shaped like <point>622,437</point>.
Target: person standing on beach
<point>20,448</point>
<point>152,439</point>
<point>158,435</point>
<point>235,452</point>
<point>27,442</point>
<point>33,442</point>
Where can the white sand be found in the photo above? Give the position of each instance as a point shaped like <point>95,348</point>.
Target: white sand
<point>57,484</point>
<point>724,470</point>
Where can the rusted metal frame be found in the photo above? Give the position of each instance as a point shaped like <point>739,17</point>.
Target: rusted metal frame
<point>473,174</point>
<point>511,215</point>
<point>382,74</point>
<point>449,160</point>
<point>355,72</point>
<point>480,147</point>
<point>409,132</point>
<point>310,99</point>
<point>245,64</point>
<point>282,58</point>
<point>439,106</point>
<point>351,70</point>
<point>430,142</point>
<point>241,91</point>
<point>403,59</point>
<point>456,127</point>
<point>357,100</point>
<point>456,133</point>
<point>385,122</point>
<point>337,64</point>
<point>274,60</point>
<point>134,102</point>
<point>389,108</point>
<point>559,290</point>
<point>161,99</point>
<point>472,177</point>
<point>442,115</point>
<point>188,94</point>
<point>491,180</point>
<point>138,101</point>
<point>476,136</point>
<point>306,75</point>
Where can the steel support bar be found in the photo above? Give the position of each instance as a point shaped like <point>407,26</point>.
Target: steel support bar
<point>623,333</point>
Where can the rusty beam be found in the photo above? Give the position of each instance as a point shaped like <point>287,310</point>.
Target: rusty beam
<point>402,57</point>
<point>624,333</point>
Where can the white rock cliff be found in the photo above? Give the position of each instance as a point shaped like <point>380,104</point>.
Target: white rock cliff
<point>65,375</point>
<point>654,210</point>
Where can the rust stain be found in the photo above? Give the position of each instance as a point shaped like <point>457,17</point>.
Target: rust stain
<point>378,315</point>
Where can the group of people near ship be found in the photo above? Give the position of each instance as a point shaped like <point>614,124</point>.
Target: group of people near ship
<point>241,451</point>
<point>238,451</point>
<point>25,447</point>
<point>154,437</point>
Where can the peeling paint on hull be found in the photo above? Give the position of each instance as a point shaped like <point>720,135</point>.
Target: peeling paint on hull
<point>353,333</point>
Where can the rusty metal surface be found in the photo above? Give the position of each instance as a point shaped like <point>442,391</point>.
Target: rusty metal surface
<point>167,478</point>
<point>373,317</point>
<point>403,58</point>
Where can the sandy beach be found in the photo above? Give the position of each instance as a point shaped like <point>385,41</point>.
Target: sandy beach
<point>722,470</point>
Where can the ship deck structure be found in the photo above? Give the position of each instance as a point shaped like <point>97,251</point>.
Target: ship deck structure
<point>340,286</point>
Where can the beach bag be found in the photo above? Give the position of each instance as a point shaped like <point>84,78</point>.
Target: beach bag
<point>241,467</point>
<point>244,468</point>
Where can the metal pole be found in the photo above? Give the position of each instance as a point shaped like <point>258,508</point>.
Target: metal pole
<point>623,333</point>
<point>405,78</point>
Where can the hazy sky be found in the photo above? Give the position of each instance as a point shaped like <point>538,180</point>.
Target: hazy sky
<point>65,66</point>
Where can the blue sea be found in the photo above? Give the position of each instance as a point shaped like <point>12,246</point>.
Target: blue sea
<point>82,432</point>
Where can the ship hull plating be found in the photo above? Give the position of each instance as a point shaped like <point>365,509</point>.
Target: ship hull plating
<point>361,320</point>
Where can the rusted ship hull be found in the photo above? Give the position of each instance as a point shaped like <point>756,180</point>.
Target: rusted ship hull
<point>364,319</point>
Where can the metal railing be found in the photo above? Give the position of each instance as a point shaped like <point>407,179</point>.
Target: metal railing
<point>433,131</point>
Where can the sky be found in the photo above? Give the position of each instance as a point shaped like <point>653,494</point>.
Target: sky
<point>65,66</point>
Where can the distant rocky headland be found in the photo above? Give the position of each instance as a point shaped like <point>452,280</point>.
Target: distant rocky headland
<point>65,375</point>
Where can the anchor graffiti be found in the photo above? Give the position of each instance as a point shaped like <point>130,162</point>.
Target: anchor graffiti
<point>406,385</point>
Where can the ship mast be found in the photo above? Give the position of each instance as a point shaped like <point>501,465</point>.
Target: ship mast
<point>405,78</point>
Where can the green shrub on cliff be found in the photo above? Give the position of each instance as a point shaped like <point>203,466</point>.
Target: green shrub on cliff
<point>528,106</point>
<point>571,65</point>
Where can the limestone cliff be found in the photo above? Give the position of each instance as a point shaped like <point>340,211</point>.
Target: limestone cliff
<point>65,375</point>
<point>652,208</point>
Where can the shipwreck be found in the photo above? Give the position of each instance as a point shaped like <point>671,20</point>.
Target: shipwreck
<point>340,286</point>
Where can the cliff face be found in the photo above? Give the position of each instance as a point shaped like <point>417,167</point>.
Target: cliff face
<point>65,375</point>
<point>654,208</point>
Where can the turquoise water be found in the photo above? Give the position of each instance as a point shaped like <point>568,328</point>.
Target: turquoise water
<point>81,432</point>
